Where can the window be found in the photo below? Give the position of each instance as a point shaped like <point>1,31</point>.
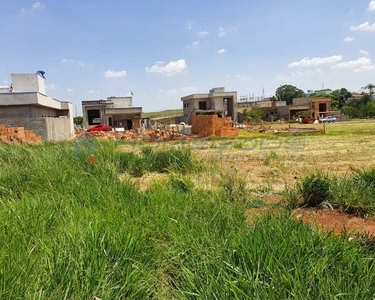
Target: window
<point>202,105</point>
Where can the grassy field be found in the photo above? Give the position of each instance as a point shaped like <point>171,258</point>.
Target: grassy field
<point>121,221</point>
<point>163,113</point>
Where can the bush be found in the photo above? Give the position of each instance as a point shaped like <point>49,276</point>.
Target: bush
<point>315,189</point>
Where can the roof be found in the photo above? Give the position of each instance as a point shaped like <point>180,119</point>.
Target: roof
<point>207,96</point>
<point>31,98</point>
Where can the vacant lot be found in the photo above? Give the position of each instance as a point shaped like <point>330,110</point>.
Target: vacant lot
<point>94,218</point>
<point>273,160</point>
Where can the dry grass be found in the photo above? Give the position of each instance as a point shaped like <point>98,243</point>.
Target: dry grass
<point>280,160</point>
<point>269,162</point>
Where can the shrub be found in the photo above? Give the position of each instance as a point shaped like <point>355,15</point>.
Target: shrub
<point>315,189</point>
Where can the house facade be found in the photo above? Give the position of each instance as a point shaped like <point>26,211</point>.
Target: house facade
<point>117,112</point>
<point>320,107</point>
<point>216,101</point>
<point>26,104</point>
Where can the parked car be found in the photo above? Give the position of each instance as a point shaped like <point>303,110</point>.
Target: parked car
<point>100,128</point>
<point>329,119</point>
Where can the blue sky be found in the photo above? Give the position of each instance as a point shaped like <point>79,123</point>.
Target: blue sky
<point>163,49</point>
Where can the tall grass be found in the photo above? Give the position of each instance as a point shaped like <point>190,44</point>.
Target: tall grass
<point>167,160</point>
<point>353,192</point>
<point>70,229</point>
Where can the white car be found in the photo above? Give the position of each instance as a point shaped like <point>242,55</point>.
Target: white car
<point>329,119</point>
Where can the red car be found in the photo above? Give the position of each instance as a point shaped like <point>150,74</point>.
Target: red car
<point>100,128</point>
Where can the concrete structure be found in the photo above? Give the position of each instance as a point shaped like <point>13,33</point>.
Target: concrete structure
<point>269,107</point>
<point>320,107</point>
<point>217,101</point>
<point>115,111</point>
<point>26,104</point>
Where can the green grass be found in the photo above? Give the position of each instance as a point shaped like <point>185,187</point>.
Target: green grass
<point>163,113</point>
<point>352,193</point>
<point>70,229</point>
<point>161,161</point>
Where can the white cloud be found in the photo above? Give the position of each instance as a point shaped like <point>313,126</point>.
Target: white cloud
<point>243,78</point>
<point>307,73</point>
<point>115,74</point>
<point>316,61</point>
<point>93,92</point>
<point>224,31</point>
<point>221,51</point>
<point>221,32</point>
<point>352,64</point>
<point>365,68</point>
<point>203,34</point>
<point>349,39</point>
<point>51,87</point>
<point>69,90</point>
<point>37,6</point>
<point>170,69</point>
<point>371,5</point>
<point>364,52</point>
<point>72,61</point>
<point>194,45</point>
<point>364,27</point>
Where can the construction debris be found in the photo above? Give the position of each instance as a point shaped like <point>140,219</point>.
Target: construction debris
<point>132,135</point>
<point>18,134</point>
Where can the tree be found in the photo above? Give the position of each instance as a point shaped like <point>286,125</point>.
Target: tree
<point>370,88</point>
<point>288,93</point>
<point>255,114</point>
<point>78,120</point>
<point>340,97</point>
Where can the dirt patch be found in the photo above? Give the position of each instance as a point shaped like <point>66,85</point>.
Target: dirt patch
<point>336,221</point>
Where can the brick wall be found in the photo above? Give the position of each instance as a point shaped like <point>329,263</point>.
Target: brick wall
<point>206,125</point>
<point>49,129</point>
<point>37,125</point>
<point>18,134</point>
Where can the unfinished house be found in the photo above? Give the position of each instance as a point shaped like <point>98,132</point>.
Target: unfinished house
<point>117,112</point>
<point>320,107</point>
<point>25,104</point>
<point>216,102</point>
<point>269,107</point>
<point>211,114</point>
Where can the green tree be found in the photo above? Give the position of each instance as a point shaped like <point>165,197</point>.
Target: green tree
<point>78,120</point>
<point>255,114</point>
<point>370,88</point>
<point>340,97</point>
<point>288,93</point>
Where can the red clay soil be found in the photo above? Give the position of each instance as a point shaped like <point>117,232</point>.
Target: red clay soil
<point>336,221</point>
<point>324,219</point>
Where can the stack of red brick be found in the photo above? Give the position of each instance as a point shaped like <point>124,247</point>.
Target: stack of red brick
<point>18,134</point>
<point>206,125</point>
